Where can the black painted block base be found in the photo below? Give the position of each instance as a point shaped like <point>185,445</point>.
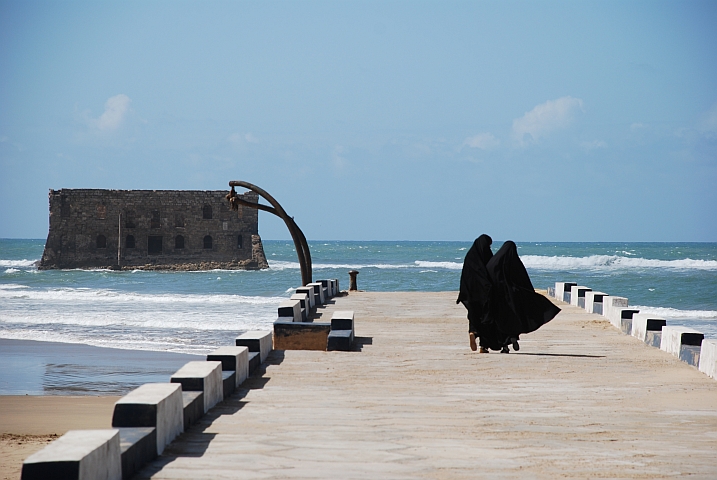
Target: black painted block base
<point>340,340</point>
<point>138,446</point>
<point>193,403</point>
<point>229,381</point>
<point>254,361</point>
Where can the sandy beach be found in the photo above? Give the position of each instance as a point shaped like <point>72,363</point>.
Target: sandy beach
<point>29,422</point>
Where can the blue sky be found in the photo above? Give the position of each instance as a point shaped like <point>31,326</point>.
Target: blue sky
<point>554,121</point>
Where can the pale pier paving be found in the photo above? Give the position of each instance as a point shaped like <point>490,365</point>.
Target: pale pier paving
<point>579,400</point>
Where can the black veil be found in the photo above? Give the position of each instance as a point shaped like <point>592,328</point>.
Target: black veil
<point>476,292</point>
<point>516,306</point>
<point>499,296</point>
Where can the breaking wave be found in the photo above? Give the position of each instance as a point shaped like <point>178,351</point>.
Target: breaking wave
<point>673,313</point>
<point>537,262</point>
<point>17,263</point>
<point>613,262</point>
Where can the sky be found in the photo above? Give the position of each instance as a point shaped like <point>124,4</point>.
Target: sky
<point>526,120</point>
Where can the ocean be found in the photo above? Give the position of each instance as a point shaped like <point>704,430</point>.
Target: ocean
<point>194,312</point>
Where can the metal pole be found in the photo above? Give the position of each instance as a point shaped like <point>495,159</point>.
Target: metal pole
<point>119,241</point>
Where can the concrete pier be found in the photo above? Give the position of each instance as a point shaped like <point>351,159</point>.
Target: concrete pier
<point>579,400</point>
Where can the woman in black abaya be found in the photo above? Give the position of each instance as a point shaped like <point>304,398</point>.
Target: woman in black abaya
<point>517,308</point>
<point>475,294</point>
<point>500,298</point>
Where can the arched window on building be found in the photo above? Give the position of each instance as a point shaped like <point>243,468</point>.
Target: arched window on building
<point>179,242</point>
<point>208,242</point>
<point>101,241</point>
<point>154,244</point>
<point>207,212</point>
<point>129,241</point>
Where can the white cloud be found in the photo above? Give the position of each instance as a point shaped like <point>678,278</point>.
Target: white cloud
<point>239,138</point>
<point>115,110</point>
<point>708,125</point>
<point>593,145</point>
<point>338,159</point>
<point>546,118</point>
<point>484,141</point>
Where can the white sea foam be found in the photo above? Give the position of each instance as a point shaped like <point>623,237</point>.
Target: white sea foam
<point>12,270</point>
<point>17,263</point>
<point>613,262</point>
<point>74,295</point>
<point>164,344</point>
<point>538,262</point>
<point>446,265</point>
<point>326,266</point>
<point>673,313</point>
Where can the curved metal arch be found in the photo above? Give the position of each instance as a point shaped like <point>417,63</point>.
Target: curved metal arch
<point>300,243</point>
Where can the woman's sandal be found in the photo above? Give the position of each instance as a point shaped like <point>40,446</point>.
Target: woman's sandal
<point>472,339</point>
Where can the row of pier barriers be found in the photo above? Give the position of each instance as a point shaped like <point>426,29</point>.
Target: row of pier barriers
<point>686,343</point>
<point>296,328</point>
<point>148,418</point>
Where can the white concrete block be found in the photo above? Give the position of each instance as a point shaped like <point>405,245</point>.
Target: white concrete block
<point>257,341</point>
<point>342,320</point>
<point>561,288</point>
<point>318,293</point>
<point>326,286</point>
<point>645,322</point>
<point>708,358</point>
<point>591,298</point>
<point>675,337</point>
<point>305,305</point>
<point>233,358</point>
<point>617,314</point>
<point>78,454</point>
<point>612,301</point>
<point>577,292</point>
<point>308,291</point>
<point>290,308</point>
<point>206,377</point>
<point>152,405</point>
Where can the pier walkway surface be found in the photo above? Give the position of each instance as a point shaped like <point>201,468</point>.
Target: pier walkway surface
<point>579,400</point>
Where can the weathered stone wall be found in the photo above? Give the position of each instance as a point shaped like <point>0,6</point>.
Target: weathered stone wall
<point>157,229</point>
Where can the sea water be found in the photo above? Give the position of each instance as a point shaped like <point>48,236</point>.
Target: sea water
<point>194,312</point>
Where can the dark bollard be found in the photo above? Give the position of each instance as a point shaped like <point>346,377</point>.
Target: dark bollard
<point>352,280</point>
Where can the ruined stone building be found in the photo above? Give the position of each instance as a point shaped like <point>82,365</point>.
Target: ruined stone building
<point>151,229</point>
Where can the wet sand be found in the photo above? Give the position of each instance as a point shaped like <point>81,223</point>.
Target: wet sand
<point>52,368</point>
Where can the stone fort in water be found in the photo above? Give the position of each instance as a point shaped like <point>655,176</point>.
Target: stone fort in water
<point>152,230</point>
